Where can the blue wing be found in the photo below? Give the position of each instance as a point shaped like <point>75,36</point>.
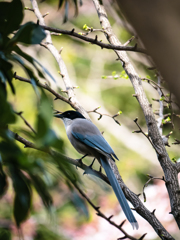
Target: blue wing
<point>95,141</point>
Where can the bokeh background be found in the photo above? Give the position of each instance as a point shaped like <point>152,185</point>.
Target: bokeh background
<point>92,70</point>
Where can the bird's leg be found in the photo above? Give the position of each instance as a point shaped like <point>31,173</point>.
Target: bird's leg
<point>90,166</point>
<point>80,159</point>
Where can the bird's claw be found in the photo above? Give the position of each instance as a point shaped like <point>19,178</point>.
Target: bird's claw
<point>90,166</point>
<point>80,159</point>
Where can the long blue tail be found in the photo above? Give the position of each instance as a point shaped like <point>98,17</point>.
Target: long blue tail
<point>119,193</point>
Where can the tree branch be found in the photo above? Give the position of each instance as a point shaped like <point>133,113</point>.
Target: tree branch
<point>25,121</point>
<point>150,179</point>
<point>169,168</point>
<point>63,70</point>
<point>99,213</point>
<point>95,41</point>
<point>178,166</point>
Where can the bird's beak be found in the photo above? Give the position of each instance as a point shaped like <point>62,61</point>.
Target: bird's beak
<point>58,115</point>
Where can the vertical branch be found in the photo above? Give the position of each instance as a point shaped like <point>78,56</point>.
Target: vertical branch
<point>170,170</point>
<point>161,108</point>
<point>63,70</point>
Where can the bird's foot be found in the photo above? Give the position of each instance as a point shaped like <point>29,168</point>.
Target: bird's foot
<point>80,159</point>
<point>90,166</point>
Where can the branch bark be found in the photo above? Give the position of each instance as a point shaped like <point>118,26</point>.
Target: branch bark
<point>63,70</point>
<point>95,40</point>
<point>170,170</point>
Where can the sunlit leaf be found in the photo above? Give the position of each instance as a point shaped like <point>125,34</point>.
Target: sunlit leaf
<point>29,33</point>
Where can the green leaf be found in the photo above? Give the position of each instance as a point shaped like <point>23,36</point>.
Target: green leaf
<point>3,180</point>
<point>33,61</point>
<point>103,77</point>
<point>29,33</point>
<point>80,204</point>
<point>28,71</point>
<point>6,70</point>
<point>6,111</point>
<point>164,121</point>
<point>11,16</point>
<point>168,119</point>
<point>113,73</point>
<point>124,75</point>
<point>22,200</point>
<point>120,112</point>
<point>85,27</point>
<point>42,190</point>
<point>162,98</point>
<point>116,77</point>
<point>5,234</point>
<point>44,135</point>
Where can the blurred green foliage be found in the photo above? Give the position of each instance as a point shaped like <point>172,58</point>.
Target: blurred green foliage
<point>24,169</point>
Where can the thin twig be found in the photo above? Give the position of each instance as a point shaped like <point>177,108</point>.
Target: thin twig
<point>129,41</point>
<point>176,141</point>
<point>150,179</point>
<point>104,114</point>
<point>101,214</point>
<point>146,135</point>
<point>94,41</point>
<point>25,121</point>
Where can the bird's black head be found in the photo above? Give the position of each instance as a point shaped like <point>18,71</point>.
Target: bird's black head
<point>69,114</point>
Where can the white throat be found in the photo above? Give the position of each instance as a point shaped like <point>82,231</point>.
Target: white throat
<point>67,122</point>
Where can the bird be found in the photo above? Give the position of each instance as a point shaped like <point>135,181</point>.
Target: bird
<point>88,140</point>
